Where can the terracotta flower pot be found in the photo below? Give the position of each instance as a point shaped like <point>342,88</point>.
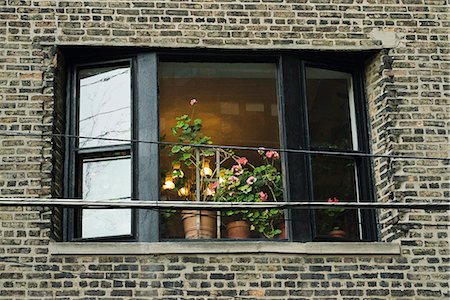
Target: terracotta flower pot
<point>282,226</point>
<point>238,229</point>
<point>205,229</point>
<point>337,233</point>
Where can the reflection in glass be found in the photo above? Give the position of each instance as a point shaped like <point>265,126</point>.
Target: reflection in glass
<point>237,103</point>
<point>330,109</point>
<point>104,105</point>
<point>106,180</point>
<point>334,179</point>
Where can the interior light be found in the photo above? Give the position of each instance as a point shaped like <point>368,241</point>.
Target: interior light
<point>183,192</point>
<point>168,183</point>
<point>206,170</point>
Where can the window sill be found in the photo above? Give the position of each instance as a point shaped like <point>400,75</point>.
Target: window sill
<point>312,248</point>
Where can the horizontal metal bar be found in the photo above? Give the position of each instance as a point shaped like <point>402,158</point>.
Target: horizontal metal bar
<point>105,204</point>
<point>344,153</point>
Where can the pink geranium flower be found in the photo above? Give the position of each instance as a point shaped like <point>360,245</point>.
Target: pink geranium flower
<point>237,169</point>
<point>272,154</point>
<point>242,161</point>
<point>193,101</point>
<point>263,196</point>
<point>334,200</point>
<point>233,179</point>
<point>215,185</point>
<point>251,180</point>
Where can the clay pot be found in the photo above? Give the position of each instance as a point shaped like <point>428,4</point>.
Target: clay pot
<point>238,229</point>
<point>337,233</point>
<point>207,227</point>
<point>282,226</point>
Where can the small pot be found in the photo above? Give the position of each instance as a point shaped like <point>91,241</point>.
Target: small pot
<point>337,233</point>
<point>282,227</point>
<point>205,230</point>
<point>238,229</point>
<point>281,224</point>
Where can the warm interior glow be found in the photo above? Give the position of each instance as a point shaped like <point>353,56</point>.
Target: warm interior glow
<point>206,170</point>
<point>183,192</point>
<point>168,183</point>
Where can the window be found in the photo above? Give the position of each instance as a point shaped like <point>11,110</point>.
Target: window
<point>121,108</point>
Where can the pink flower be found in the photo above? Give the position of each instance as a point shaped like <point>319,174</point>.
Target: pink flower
<point>251,180</point>
<point>263,196</point>
<point>209,192</point>
<point>215,185</point>
<point>233,179</point>
<point>334,200</point>
<point>237,169</point>
<point>272,154</point>
<point>242,161</point>
<point>193,102</point>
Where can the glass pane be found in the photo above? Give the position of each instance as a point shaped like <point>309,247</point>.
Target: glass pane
<point>106,180</point>
<point>105,97</point>
<point>237,105</point>
<point>334,179</point>
<point>330,109</point>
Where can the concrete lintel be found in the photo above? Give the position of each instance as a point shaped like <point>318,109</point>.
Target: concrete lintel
<point>375,46</point>
<point>330,248</point>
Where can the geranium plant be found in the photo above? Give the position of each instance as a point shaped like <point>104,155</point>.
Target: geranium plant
<point>244,182</point>
<point>333,215</point>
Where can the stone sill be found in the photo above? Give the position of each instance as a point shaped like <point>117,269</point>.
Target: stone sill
<point>312,248</point>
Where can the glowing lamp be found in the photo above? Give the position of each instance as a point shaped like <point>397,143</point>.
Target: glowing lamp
<point>168,184</point>
<point>183,192</point>
<point>206,170</point>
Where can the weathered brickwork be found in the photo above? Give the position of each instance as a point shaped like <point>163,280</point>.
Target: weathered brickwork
<point>407,91</point>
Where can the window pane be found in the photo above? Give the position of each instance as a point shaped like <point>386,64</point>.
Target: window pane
<point>105,97</point>
<point>330,109</point>
<point>237,104</point>
<point>334,179</point>
<point>237,101</point>
<point>106,180</point>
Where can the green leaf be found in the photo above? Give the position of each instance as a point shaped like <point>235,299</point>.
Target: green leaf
<point>176,149</point>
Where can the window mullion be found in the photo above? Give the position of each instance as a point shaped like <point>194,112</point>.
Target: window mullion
<point>296,137</point>
<point>145,158</point>
<point>366,184</point>
<point>70,157</point>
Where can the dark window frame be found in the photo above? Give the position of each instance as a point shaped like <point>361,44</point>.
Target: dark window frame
<point>145,106</point>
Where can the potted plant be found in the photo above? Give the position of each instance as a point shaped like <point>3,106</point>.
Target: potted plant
<point>182,179</point>
<point>244,182</point>
<point>333,215</point>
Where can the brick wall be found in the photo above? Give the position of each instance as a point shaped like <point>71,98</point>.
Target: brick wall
<point>407,92</point>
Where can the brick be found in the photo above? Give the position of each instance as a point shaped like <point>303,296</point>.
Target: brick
<point>406,88</point>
